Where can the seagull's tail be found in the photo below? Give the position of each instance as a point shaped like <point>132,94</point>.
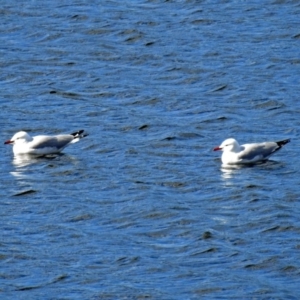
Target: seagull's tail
<point>281,143</point>
<point>78,135</point>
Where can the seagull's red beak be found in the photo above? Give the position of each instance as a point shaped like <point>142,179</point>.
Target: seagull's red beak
<point>217,148</point>
<point>8,142</point>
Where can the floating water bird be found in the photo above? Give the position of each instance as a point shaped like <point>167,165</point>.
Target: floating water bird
<point>233,153</point>
<point>23,143</point>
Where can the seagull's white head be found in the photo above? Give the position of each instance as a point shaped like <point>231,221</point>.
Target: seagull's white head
<point>229,145</point>
<point>19,137</point>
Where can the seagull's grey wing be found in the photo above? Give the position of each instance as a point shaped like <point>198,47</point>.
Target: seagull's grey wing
<point>57,142</point>
<point>258,151</point>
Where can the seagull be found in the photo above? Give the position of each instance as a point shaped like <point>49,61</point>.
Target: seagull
<point>233,153</point>
<point>23,143</point>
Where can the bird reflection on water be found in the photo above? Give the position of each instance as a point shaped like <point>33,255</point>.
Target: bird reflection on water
<point>230,171</point>
<point>29,170</point>
<point>23,160</point>
<point>23,163</point>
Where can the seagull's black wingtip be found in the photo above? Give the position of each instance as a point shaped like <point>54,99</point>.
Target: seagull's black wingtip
<point>79,134</point>
<point>281,143</point>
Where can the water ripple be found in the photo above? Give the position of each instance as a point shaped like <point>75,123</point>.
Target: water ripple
<point>143,208</point>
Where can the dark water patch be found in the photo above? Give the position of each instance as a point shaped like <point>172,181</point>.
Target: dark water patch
<point>189,135</point>
<point>169,138</point>
<point>269,105</point>
<point>209,290</point>
<point>28,288</point>
<point>123,261</point>
<point>173,184</point>
<point>281,228</point>
<point>214,119</point>
<point>143,127</point>
<point>147,44</point>
<point>200,252</point>
<point>27,192</point>
<point>207,235</point>
<point>267,263</point>
<point>251,186</point>
<point>209,250</point>
<point>219,88</point>
<point>38,286</point>
<point>64,94</point>
<point>79,218</point>
<point>290,269</point>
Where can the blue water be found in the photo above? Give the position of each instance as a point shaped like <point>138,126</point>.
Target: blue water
<point>142,208</point>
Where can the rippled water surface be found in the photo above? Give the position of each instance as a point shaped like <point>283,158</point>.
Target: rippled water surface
<point>142,208</point>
